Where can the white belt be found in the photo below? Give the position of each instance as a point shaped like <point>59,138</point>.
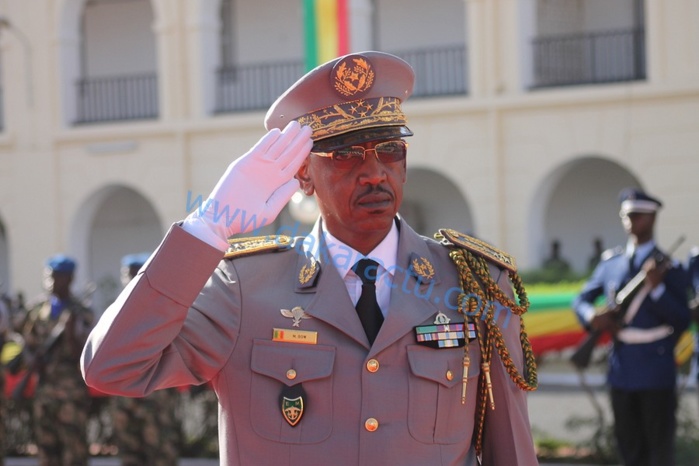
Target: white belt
<point>634,335</point>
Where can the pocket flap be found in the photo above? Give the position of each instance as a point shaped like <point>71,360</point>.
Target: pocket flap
<point>437,365</point>
<point>280,360</point>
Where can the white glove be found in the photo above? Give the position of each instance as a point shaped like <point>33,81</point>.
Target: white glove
<point>254,188</point>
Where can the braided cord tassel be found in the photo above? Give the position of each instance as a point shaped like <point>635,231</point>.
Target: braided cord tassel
<point>479,304</point>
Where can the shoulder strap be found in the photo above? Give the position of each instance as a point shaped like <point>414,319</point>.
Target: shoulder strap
<point>240,247</point>
<point>479,247</point>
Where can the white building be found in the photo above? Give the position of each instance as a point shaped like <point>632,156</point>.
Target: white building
<point>529,117</point>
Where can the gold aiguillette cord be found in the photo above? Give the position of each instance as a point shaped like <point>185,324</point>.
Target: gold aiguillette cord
<point>488,384</point>
<point>464,375</point>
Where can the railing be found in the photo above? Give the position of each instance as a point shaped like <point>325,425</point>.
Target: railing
<point>254,87</point>
<point>439,72</point>
<point>590,58</point>
<point>117,98</point>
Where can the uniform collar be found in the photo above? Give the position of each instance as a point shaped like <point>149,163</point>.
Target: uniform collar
<point>344,256</point>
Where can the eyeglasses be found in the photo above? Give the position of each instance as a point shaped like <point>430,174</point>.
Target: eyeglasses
<point>385,152</point>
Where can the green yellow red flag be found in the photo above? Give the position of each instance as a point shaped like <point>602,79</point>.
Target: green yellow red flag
<point>326,34</point>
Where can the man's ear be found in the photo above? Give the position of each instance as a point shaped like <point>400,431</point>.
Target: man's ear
<point>304,178</point>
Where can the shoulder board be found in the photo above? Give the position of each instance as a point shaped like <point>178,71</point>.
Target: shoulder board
<point>609,253</point>
<point>476,246</point>
<point>240,247</point>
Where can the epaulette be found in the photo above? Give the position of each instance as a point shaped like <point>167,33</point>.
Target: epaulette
<point>454,238</point>
<point>611,252</point>
<point>240,247</point>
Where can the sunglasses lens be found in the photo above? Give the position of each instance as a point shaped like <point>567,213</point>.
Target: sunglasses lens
<point>392,151</point>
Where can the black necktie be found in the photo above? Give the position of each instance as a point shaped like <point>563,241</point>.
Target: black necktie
<point>367,307</point>
<point>633,270</point>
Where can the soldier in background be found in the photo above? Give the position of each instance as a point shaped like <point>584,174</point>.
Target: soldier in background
<point>55,329</point>
<point>693,270</point>
<point>147,430</point>
<point>4,329</point>
<point>642,371</point>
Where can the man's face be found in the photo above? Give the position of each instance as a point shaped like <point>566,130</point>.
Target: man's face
<point>639,225</point>
<point>57,283</point>
<point>358,203</point>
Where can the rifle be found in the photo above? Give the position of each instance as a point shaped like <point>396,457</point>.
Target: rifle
<point>582,355</point>
<point>44,350</point>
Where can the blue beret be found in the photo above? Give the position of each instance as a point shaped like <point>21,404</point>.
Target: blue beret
<point>135,260</point>
<point>60,263</point>
<point>634,200</point>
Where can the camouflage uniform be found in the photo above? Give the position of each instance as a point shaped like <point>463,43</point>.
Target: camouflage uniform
<point>147,430</point>
<point>3,411</point>
<point>4,328</point>
<point>61,401</point>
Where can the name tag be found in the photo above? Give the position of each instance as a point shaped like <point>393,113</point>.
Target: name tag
<point>295,336</point>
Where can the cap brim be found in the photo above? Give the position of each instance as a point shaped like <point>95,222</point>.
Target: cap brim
<point>360,137</point>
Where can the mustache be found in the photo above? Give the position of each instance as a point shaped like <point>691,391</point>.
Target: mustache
<point>375,189</point>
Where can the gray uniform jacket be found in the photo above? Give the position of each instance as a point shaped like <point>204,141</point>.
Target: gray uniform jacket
<point>190,317</point>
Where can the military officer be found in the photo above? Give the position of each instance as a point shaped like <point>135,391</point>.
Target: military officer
<point>55,329</point>
<point>642,369</point>
<point>362,342</point>
<point>147,430</point>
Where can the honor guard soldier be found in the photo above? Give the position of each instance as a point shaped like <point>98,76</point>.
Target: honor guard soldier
<point>55,330</point>
<point>693,270</point>
<point>362,342</point>
<point>642,370</point>
<point>147,430</point>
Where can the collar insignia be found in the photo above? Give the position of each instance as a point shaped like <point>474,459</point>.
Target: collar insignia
<point>308,272</point>
<point>297,313</point>
<point>422,268</point>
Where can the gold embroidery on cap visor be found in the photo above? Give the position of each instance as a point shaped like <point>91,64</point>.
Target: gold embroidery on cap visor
<point>359,114</point>
<point>385,152</point>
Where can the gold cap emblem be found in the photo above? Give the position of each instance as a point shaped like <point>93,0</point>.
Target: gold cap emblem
<point>353,76</point>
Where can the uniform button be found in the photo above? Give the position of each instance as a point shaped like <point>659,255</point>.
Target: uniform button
<point>371,424</point>
<point>372,365</point>
<point>450,376</point>
<point>291,374</point>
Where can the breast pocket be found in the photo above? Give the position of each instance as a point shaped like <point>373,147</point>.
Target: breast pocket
<point>435,411</point>
<point>276,365</point>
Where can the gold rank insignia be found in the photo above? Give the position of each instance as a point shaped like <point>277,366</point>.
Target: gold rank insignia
<point>252,245</point>
<point>308,272</point>
<point>421,267</point>
<point>481,248</point>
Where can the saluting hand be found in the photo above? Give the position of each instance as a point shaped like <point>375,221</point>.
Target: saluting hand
<point>256,187</point>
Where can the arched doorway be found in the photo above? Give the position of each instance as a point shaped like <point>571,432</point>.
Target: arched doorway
<point>576,204</point>
<point>431,202</point>
<point>113,222</point>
